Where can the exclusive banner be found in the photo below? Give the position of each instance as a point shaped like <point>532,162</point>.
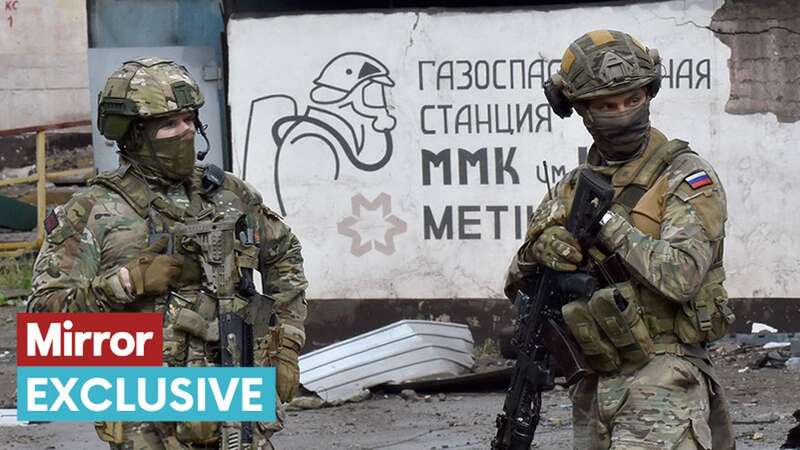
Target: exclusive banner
<point>108,367</point>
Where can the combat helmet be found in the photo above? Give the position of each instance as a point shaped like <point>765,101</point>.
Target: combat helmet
<point>600,63</point>
<point>142,89</point>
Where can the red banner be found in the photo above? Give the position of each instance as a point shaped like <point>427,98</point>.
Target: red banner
<point>89,339</point>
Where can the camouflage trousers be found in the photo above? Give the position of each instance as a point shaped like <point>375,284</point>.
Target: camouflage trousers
<point>664,405</point>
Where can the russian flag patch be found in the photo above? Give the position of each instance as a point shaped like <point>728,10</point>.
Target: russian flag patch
<point>698,179</point>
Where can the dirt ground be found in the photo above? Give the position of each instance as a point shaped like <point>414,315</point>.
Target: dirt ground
<point>762,401</point>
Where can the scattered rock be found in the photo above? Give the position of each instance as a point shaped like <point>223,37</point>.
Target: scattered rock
<point>793,363</point>
<point>771,359</point>
<point>300,403</point>
<point>757,436</point>
<point>441,396</point>
<point>365,395</point>
<point>427,398</point>
<point>409,395</point>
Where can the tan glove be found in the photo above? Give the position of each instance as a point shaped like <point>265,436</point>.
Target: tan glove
<point>557,249</point>
<point>154,274</point>
<point>287,373</point>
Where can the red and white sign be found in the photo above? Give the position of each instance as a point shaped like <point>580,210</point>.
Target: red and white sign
<point>89,339</point>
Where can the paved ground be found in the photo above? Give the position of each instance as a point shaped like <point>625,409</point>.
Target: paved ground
<point>762,401</point>
<point>462,421</point>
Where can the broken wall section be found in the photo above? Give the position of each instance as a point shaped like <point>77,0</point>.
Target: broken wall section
<point>764,37</point>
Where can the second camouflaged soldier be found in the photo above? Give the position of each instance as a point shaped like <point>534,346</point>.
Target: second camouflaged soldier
<point>107,248</point>
<point>658,260</point>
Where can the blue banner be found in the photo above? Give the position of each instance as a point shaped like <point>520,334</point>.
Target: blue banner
<point>147,394</point>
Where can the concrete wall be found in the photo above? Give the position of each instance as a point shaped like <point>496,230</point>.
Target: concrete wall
<point>43,70</point>
<point>398,216</point>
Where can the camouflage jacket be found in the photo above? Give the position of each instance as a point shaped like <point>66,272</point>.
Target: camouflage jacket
<point>672,261</point>
<point>98,231</point>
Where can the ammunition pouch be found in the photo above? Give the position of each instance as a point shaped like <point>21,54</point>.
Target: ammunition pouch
<point>708,316</point>
<point>190,327</point>
<point>610,328</point>
<point>110,432</point>
<point>188,321</point>
<point>600,353</point>
<point>618,313</point>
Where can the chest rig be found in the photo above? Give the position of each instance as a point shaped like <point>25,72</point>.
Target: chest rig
<point>222,240</point>
<point>640,189</point>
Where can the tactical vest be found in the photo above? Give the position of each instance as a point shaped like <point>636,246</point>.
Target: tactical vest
<point>138,194</point>
<point>639,191</point>
<point>162,214</point>
<point>164,217</point>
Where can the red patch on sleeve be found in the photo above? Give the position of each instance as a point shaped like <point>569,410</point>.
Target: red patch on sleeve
<point>51,222</point>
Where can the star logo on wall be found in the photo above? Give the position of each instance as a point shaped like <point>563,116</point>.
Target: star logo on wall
<point>371,225</point>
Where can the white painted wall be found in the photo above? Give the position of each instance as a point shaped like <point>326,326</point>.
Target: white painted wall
<point>43,70</point>
<point>754,154</point>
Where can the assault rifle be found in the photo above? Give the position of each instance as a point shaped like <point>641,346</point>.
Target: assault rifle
<point>225,250</point>
<point>539,333</point>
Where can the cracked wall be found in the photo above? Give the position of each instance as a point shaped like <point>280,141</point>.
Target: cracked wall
<point>473,136</point>
<point>764,38</point>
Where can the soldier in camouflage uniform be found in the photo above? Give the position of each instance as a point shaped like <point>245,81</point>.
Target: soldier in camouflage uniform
<point>658,259</point>
<point>99,254</point>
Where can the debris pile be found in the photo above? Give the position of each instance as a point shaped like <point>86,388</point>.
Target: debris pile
<point>403,351</point>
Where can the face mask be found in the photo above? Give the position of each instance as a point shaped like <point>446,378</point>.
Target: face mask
<point>619,137</point>
<point>174,156</point>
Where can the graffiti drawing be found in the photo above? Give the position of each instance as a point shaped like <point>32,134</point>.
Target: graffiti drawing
<point>348,115</point>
